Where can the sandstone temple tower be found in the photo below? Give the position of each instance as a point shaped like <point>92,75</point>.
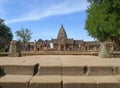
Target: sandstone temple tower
<point>62,38</point>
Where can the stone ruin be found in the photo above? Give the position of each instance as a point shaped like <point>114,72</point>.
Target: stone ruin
<point>15,49</point>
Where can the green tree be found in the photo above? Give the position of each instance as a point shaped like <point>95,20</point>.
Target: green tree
<point>103,20</point>
<point>5,34</point>
<point>24,34</point>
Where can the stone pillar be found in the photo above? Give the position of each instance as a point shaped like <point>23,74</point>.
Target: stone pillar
<point>103,53</point>
<point>64,47</point>
<point>35,47</point>
<point>15,49</point>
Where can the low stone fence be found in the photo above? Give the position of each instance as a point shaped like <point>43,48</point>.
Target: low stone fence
<point>113,54</point>
<point>53,53</point>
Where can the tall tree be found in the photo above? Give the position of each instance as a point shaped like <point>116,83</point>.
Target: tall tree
<point>103,20</point>
<point>24,34</point>
<point>5,34</point>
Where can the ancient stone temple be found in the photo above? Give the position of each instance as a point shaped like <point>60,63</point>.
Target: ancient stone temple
<point>62,39</point>
<point>63,43</point>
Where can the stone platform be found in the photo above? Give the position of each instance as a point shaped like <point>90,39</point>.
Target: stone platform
<point>59,71</point>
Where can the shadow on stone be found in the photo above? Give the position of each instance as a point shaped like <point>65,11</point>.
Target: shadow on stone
<point>2,73</point>
<point>61,84</point>
<point>86,70</point>
<point>36,69</point>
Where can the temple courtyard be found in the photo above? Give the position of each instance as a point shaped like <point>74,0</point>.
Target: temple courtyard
<point>59,71</point>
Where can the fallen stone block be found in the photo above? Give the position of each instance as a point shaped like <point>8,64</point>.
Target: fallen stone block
<point>73,70</point>
<point>45,82</point>
<point>21,69</point>
<point>107,82</point>
<point>78,82</point>
<point>15,81</point>
<point>100,70</point>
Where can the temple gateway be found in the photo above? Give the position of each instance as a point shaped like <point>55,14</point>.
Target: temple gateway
<point>63,43</point>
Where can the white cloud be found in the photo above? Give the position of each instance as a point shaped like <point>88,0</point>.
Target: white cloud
<point>61,8</point>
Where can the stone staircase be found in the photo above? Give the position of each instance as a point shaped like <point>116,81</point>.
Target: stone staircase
<point>60,74</point>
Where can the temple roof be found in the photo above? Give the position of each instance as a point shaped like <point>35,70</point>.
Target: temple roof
<point>62,33</point>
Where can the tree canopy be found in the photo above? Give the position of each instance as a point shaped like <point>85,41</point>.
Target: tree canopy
<point>5,33</point>
<point>103,20</point>
<point>24,34</point>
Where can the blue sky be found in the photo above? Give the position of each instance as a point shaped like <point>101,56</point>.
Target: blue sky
<point>44,17</point>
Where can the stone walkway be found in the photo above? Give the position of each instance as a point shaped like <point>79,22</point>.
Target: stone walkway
<point>59,71</point>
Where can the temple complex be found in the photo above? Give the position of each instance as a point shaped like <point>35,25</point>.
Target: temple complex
<point>63,43</point>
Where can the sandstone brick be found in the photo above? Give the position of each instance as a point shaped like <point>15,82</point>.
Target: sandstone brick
<point>116,70</point>
<point>50,70</point>
<point>107,82</point>
<point>100,70</point>
<point>22,69</point>
<point>15,81</point>
<point>48,67</point>
<point>78,82</point>
<point>45,82</point>
<point>72,70</point>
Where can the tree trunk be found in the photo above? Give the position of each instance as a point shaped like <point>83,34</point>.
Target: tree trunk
<point>103,52</point>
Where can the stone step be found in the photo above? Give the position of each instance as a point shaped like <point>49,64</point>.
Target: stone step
<point>107,82</point>
<point>78,82</point>
<point>46,82</point>
<point>50,70</point>
<point>15,81</point>
<point>73,70</point>
<point>18,66</point>
<point>90,82</point>
<point>21,69</point>
<point>100,70</point>
<point>116,70</point>
<point>47,67</point>
<point>81,70</point>
<point>1,71</point>
<point>27,81</point>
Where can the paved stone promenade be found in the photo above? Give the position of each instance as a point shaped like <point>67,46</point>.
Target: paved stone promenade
<point>59,71</point>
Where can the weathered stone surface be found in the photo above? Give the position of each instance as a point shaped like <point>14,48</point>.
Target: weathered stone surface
<point>45,82</point>
<point>73,70</point>
<point>78,82</point>
<point>23,69</point>
<point>68,81</point>
<point>53,70</point>
<point>72,67</point>
<point>118,77</point>
<point>47,67</point>
<point>116,70</point>
<point>91,82</point>
<point>107,82</point>
<point>100,70</point>
<point>15,81</point>
<point>15,49</point>
<point>103,51</point>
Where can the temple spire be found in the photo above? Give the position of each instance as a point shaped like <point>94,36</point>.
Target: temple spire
<point>62,26</point>
<point>62,33</point>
